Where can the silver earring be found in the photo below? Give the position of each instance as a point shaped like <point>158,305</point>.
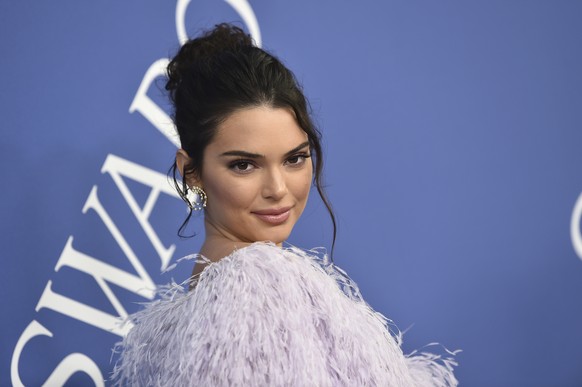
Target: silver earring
<point>196,198</point>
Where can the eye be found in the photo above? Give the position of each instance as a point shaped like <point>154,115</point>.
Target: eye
<point>242,166</point>
<point>297,160</point>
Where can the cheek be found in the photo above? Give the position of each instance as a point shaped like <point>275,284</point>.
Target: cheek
<point>302,186</point>
<point>226,196</point>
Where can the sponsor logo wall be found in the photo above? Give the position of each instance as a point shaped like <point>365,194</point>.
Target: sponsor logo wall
<point>453,140</point>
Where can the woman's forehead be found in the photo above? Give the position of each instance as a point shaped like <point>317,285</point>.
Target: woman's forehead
<point>259,129</point>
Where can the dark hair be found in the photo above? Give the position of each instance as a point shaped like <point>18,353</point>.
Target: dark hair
<point>220,72</point>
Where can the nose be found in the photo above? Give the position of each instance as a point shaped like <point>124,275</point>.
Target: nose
<point>274,184</point>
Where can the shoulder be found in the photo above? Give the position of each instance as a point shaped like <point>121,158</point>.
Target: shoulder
<point>263,256</point>
<point>261,265</point>
<point>264,310</point>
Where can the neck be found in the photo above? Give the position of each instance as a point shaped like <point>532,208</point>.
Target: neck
<point>217,245</point>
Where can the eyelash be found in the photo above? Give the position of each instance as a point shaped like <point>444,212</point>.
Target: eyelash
<point>237,163</point>
<point>303,156</point>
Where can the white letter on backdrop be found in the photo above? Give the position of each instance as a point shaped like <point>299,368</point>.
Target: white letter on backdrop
<point>242,7</point>
<point>76,362</point>
<point>181,7</point>
<point>152,112</point>
<point>82,312</point>
<point>94,203</point>
<point>575,227</point>
<point>72,364</point>
<point>102,273</point>
<point>117,167</point>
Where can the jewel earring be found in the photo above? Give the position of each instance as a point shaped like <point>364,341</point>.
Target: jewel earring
<point>196,198</point>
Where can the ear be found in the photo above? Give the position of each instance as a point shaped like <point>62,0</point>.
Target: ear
<point>182,161</point>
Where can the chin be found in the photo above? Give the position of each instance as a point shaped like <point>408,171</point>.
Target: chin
<point>275,237</point>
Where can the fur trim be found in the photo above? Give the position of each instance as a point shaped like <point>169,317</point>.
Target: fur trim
<point>267,316</point>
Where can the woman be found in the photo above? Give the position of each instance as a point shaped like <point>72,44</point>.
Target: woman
<point>257,314</point>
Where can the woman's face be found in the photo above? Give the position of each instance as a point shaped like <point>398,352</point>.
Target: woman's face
<point>257,175</point>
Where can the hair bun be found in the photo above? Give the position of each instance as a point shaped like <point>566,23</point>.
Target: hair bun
<point>226,36</point>
<point>203,50</point>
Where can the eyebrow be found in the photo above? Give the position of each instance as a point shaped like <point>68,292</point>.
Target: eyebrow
<point>258,156</point>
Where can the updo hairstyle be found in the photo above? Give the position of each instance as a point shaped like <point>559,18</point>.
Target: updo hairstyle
<point>218,73</point>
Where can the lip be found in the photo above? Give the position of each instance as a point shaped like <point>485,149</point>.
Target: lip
<point>273,215</point>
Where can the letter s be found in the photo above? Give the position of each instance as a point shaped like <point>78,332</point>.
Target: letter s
<point>75,362</point>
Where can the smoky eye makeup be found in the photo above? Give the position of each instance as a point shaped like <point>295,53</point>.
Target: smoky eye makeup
<point>297,159</point>
<point>241,166</point>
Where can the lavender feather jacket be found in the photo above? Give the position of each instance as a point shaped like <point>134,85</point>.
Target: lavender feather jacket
<point>267,316</point>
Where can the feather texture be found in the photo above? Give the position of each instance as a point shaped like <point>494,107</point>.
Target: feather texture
<point>270,316</point>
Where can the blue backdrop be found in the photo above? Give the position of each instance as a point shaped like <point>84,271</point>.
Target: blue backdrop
<point>453,133</point>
